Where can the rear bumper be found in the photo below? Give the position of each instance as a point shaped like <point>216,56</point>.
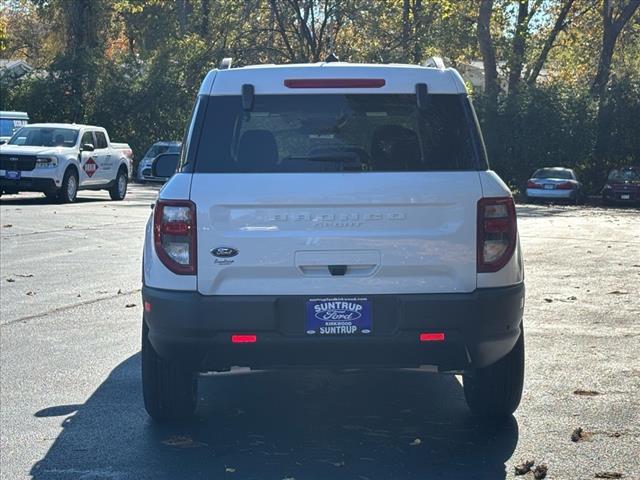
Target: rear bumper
<point>621,196</point>
<point>551,194</point>
<point>480,328</point>
<point>28,184</point>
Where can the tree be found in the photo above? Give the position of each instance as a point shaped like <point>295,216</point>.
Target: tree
<point>487,49</point>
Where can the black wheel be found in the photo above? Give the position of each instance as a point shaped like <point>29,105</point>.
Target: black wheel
<point>69,189</point>
<point>495,391</point>
<point>169,390</point>
<point>119,189</point>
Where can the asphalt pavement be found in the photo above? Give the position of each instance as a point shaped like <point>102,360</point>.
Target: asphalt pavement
<point>71,402</point>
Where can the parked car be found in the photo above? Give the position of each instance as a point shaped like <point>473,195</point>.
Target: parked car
<point>126,150</point>
<point>554,183</point>
<point>622,186</point>
<point>10,122</point>
<point>344,216</point>
<point>59,159</point>
<point>144,167</point>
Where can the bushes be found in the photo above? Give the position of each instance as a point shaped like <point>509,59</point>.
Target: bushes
<point>554,125</point>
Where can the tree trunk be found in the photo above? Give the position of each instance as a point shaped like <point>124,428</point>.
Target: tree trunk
<point>406,30</point>
<point>610,31</point>
<point>519,45</point>
<point>205,10</point>
<point>181,12</point>
<point>612,26</point>
<point>418,25</point>
<point>548,43</point>
<point>485,41</point>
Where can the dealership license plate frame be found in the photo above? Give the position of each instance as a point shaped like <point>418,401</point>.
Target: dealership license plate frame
<point>338,316</point>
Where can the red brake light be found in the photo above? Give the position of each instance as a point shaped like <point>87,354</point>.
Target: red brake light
<point>532,184</point>
<point>497,233</point>
<point>565,186</point>
<point>432,337</point>
<point>334,83</point>
<point>244,338</point>
<point>174,235</point>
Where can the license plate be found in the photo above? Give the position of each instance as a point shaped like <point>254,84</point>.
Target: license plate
<point>625,197</point>
<point>12,175</point>
<point>549,187</point>
<point>338,316</point>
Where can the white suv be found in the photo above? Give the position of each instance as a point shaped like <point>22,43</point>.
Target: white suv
<point>332,215</point>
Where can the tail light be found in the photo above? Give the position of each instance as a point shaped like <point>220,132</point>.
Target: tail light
<point>174,235</point>
<point>564,186</point>
<point>496,233</point>
<point>532,184</point>
<point>334,82</point>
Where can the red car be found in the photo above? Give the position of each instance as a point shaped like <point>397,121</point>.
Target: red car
<point>623,186</point>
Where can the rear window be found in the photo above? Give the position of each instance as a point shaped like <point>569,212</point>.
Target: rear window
<point>553,173</point>
<point>628,175</point>
<point>336,133</point>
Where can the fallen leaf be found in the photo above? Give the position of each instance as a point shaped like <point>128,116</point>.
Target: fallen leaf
<point>608,475</point>
<point>119,291</point>
<point>579,434</point>
<point>8,225</point>
<point>586,393</point>
<point>11,280</point>
<point>524,467</point>
<point>540,471</point>
<point>416,441</point>
<point>30,293</point>
<point>130,305</point>
<point>572,297</point>
<point>619,292</point>
<point>548,300</point>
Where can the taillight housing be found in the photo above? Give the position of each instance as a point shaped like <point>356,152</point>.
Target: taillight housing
<point>174,235</point>
<point>497,233</point>
<point>532,184</point>
<point>564,186</point>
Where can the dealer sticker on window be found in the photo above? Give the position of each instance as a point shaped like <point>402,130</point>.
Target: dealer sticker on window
<point>338,316</point>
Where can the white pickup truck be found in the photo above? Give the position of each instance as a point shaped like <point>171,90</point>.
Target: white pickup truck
<point>59,159</point>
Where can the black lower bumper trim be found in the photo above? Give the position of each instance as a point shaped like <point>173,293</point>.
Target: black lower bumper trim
<point>28,184</point>
<point>480,328</point>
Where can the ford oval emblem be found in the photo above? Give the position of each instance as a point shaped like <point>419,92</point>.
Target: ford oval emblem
<point>224,252</point>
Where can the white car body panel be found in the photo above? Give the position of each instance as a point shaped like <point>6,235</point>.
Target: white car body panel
<point>398,232</point>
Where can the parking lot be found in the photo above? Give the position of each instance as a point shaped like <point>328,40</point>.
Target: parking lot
<point>71,403</point>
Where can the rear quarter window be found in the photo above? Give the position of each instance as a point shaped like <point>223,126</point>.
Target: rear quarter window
<point>337,133</point>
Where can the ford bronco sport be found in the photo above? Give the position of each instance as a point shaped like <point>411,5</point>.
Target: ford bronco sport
<point>332,215</point>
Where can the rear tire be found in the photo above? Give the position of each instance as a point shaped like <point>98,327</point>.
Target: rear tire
<point>169,389</point>
<point>69,189</point>
<point>119,189</point>
<point>495,391</point>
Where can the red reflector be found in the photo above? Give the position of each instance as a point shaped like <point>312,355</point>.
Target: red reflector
<point>496,225</point>
<point>334,83</point>
<point>432,337</point>
<point>244,338</point>
<point>175,228</point>
<point>147,307</point>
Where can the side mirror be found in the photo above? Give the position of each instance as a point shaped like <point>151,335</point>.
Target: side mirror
<point>87,147</point>
<point>2,142</point>
<point>165,165</point>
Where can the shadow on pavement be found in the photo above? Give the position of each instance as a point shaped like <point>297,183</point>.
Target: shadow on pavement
<point>304,425</point>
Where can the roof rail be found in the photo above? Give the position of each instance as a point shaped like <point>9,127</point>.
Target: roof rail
<point>434,62</point>
<point>225,64</point>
